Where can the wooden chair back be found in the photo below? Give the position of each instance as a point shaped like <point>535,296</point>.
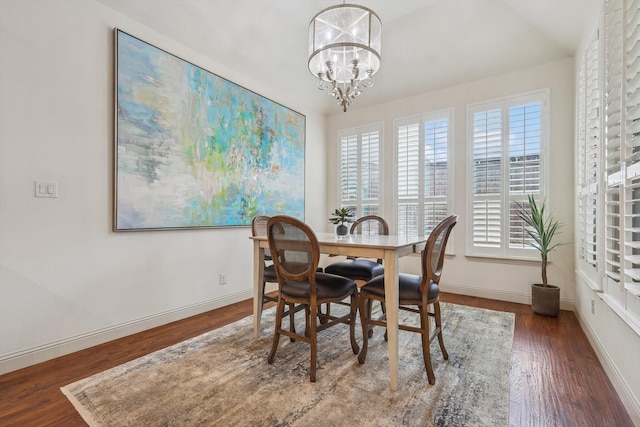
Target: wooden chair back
<point>433,253</point>
<point>294,249</point>
<point>370,225</point>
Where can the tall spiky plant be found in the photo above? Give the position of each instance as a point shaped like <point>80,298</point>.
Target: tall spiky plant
<point>541,229</point>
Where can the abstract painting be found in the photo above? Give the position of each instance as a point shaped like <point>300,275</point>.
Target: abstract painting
<point>195,150</point>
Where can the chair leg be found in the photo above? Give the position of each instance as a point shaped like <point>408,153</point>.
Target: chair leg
<point>314,341</point>
<point>307,314</point>
<point>436,309</point>
<point>276,334</point>
<point>292,326</point>
<point>383,307</point>
<point>369,311</point>
<point>426,353</point>
<point>264,286</point>
<point>362,304</point>
<point>327,313</point>
<point>352,322</point>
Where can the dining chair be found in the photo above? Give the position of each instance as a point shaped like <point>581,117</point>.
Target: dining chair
<point>259,228</point>
<point>420,291</point>
<point>362,269</point>
<point>296,253</point>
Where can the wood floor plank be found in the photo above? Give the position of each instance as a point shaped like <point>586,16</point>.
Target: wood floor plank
<point>556,378</point>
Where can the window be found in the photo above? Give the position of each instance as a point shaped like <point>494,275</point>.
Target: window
<point>360,169</point>
<point>507,142</point>
<point>424,171</point>
<point>609,117</point>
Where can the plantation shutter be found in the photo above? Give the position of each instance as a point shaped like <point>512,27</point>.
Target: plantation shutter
<point>360,169</point>
<point>508,138</point>
<point>589,165</point>
<point>592,146</point>
<point>436,172</point>
<point>408,142</point>
<point>581,165</point>
<point>609,99</point>
<point>349,168</point>
<point>487,178</point>
<point>632,147</point>
<point>524,165</point>
<point>370,174</point>
<point>424,171</point>
<point>613,140</point>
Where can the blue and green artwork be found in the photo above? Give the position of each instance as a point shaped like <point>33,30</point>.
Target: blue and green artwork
<point>196,150</point>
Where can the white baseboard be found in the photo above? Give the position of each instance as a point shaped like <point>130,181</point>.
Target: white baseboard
<point>520,298</point>
<point>630,402</point>
<point>32,356</point>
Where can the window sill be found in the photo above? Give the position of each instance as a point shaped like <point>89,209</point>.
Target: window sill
<point>504,259</point>
<point>588,280</point>
<point>629,319</point>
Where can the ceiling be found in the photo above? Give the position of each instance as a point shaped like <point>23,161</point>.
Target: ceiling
<point>426,44</point>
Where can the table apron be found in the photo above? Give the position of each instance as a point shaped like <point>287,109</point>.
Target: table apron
<point>363,251</point>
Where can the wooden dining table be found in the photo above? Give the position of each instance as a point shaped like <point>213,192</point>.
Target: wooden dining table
<point>388,248</point>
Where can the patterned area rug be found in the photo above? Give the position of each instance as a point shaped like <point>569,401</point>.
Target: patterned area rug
<point>222,378</point>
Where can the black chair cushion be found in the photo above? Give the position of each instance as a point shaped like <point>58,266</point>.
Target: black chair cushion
<point>409,288</point>
<point>270,273</point>
<point>328,286</point>
<point>362,269</point>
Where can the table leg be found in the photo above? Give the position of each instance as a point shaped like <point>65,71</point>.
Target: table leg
<point>391,297</point>
<point>258,291</point>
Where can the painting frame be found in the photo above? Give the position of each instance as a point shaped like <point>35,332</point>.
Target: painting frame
<point>194,150</point>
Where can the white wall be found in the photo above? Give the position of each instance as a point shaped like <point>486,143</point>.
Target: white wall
<point>498,279</point>
<point>615,343</point>
<point>66,280</point>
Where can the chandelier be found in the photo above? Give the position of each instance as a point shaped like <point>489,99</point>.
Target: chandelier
<point>344,50</point>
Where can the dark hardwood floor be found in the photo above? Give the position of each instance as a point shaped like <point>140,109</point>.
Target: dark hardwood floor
<point>556,379</point>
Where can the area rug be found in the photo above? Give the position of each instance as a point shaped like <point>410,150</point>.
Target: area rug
<point>222,378</point>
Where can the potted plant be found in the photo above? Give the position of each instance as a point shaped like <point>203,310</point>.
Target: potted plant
<point>542,227</point>
<point>340,217</point>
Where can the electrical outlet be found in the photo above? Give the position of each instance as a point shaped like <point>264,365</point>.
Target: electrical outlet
<point>46,189</point>
<point>593,307</point>
<point>223,278</point>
